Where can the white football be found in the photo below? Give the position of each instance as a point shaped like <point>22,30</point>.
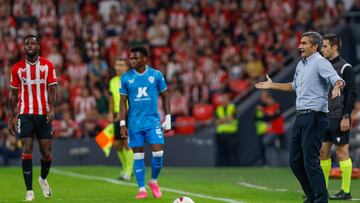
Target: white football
<point>183,200</point>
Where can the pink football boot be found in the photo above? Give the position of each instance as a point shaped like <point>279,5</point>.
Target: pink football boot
<point>141,195</point>
<point>155,190</point>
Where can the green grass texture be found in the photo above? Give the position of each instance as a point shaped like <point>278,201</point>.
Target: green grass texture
<point>98,184</point>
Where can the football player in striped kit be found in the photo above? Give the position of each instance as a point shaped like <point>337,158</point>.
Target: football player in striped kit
<point>32,101</point>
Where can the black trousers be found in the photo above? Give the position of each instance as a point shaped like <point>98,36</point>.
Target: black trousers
<point>308,133</point>
<point>227,149</point>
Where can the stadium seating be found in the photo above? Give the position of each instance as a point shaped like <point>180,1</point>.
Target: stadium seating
<point>194,48</point>
<point>185,125</point>
<point>239,86</point>
<point>217,99</point>
<point>203,113</point>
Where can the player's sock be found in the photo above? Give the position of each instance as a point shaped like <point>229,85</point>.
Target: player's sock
<point>139,169</point>
<point>45,166</point>
<point>326,167</point>
<point>27,170</point>
<point>346,170</point>
<point>121,157</point>
<point>129,162</point>
<point>156,164</point>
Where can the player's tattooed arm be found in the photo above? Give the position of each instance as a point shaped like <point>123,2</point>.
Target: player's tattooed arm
<point>13,100</point>
<point>52,89</point>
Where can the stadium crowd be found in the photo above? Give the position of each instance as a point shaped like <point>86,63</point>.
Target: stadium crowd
<point>203,47</point>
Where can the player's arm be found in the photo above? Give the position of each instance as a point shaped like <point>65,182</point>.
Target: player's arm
<point>13,100</point>
<point>162,88</point>
<point>166,101</point>
<point>123,112</point>
<point>52,91</point>
<point>166,105</point>
<point>269,84</point>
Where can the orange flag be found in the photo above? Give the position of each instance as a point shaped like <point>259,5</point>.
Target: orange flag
<point>105,139</point>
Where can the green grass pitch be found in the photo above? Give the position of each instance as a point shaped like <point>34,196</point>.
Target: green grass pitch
<point>209,185</point>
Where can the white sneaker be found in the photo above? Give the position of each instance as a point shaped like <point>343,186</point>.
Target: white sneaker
<point>29,196</point>
<point>46,190</point>
<point>126,177</point>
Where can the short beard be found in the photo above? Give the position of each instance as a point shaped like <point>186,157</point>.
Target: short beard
<point>31,55</point>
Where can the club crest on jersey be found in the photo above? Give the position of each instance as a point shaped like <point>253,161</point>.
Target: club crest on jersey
<point>24,80</point>
<point>151,79</point>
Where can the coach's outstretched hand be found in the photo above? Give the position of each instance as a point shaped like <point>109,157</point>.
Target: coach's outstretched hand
<point>337,89</point>
<point>264,85</point>
<point>124,132</point>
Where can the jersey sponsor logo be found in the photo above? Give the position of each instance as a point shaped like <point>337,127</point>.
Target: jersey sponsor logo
<point>142,92</point>
<point>151,79</point>
<point>36,81</point>
<point>131,81</point>
<point>23,69</point>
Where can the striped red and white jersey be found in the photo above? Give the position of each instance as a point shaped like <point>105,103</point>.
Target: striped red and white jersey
<point>32,80</point>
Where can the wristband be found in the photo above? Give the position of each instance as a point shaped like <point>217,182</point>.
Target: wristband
<point>168,117</point>
<point>122,123</point>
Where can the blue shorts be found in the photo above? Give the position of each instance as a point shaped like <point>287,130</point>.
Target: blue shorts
<point>137,138</point>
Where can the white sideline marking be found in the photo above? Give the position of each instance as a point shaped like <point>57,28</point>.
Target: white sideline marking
<point>258,187</point>
<point>118,182</point>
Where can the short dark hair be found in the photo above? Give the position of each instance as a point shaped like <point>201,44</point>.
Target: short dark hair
<point>334,39</point>
<point>315,38</point>
<point>142,50</point>
<point>32,36</point>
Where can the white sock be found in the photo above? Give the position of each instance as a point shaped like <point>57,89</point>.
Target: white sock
<point>153,180</point>
<point>142,189</point>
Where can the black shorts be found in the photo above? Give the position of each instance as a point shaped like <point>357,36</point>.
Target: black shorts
<point>334,134</point>
<point>30,125</point>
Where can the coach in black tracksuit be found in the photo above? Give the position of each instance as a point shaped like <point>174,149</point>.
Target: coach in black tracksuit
<point>339,118</point>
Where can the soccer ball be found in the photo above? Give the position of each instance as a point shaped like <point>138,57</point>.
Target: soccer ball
<point>183,200</point>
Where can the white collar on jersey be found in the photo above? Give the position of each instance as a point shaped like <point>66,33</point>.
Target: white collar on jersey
<point>140,74</point>
<point>37,60</point>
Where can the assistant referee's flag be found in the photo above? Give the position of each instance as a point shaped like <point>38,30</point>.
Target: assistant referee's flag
<point>105,139</point>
